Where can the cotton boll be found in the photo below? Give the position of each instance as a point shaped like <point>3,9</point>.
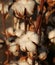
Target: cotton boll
<point>42,56</point>
<point>26,43</point>
<point>18,7</point>
<point>14,50</point>
<point>19,33</point>
<point>51,36</point>
<point>22,42</point>
<point>29,5</point>
<point>21,5</point>
<point>13,47</point>
<point>30,46</point>
<point>33,37</point>
<point>22,45</point>
<point>22,26</point>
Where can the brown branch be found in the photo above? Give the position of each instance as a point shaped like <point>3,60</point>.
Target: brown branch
<point>39,18</point>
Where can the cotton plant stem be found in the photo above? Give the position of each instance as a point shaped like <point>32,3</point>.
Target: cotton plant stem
<point>39,20</point>
<point>25,20</point>
<point>40,16</point>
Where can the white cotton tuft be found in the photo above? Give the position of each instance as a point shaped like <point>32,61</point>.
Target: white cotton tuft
<point>51,36</point>
<point>26,42</point>
<point>43,56</point>
<point>30,46</point>
<point>22,42</point>
<point>12,48</point>
<point>30,6</point>
<point>19,33</point>
<point>33,37</point>
<point>18,7</point>
<point>21,5</point>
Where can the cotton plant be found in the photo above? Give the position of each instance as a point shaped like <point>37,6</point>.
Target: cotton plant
<point>24,42</point>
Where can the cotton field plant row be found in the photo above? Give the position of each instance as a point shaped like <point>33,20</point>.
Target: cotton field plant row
<point>29,41</point>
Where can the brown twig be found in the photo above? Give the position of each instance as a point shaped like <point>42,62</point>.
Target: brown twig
<point>39,18</point>
<point>25,20</point>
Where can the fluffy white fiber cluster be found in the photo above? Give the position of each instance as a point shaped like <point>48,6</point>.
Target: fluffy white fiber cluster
<point>51,36</point>
<point>26,41</point>
<point>20,6</point>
